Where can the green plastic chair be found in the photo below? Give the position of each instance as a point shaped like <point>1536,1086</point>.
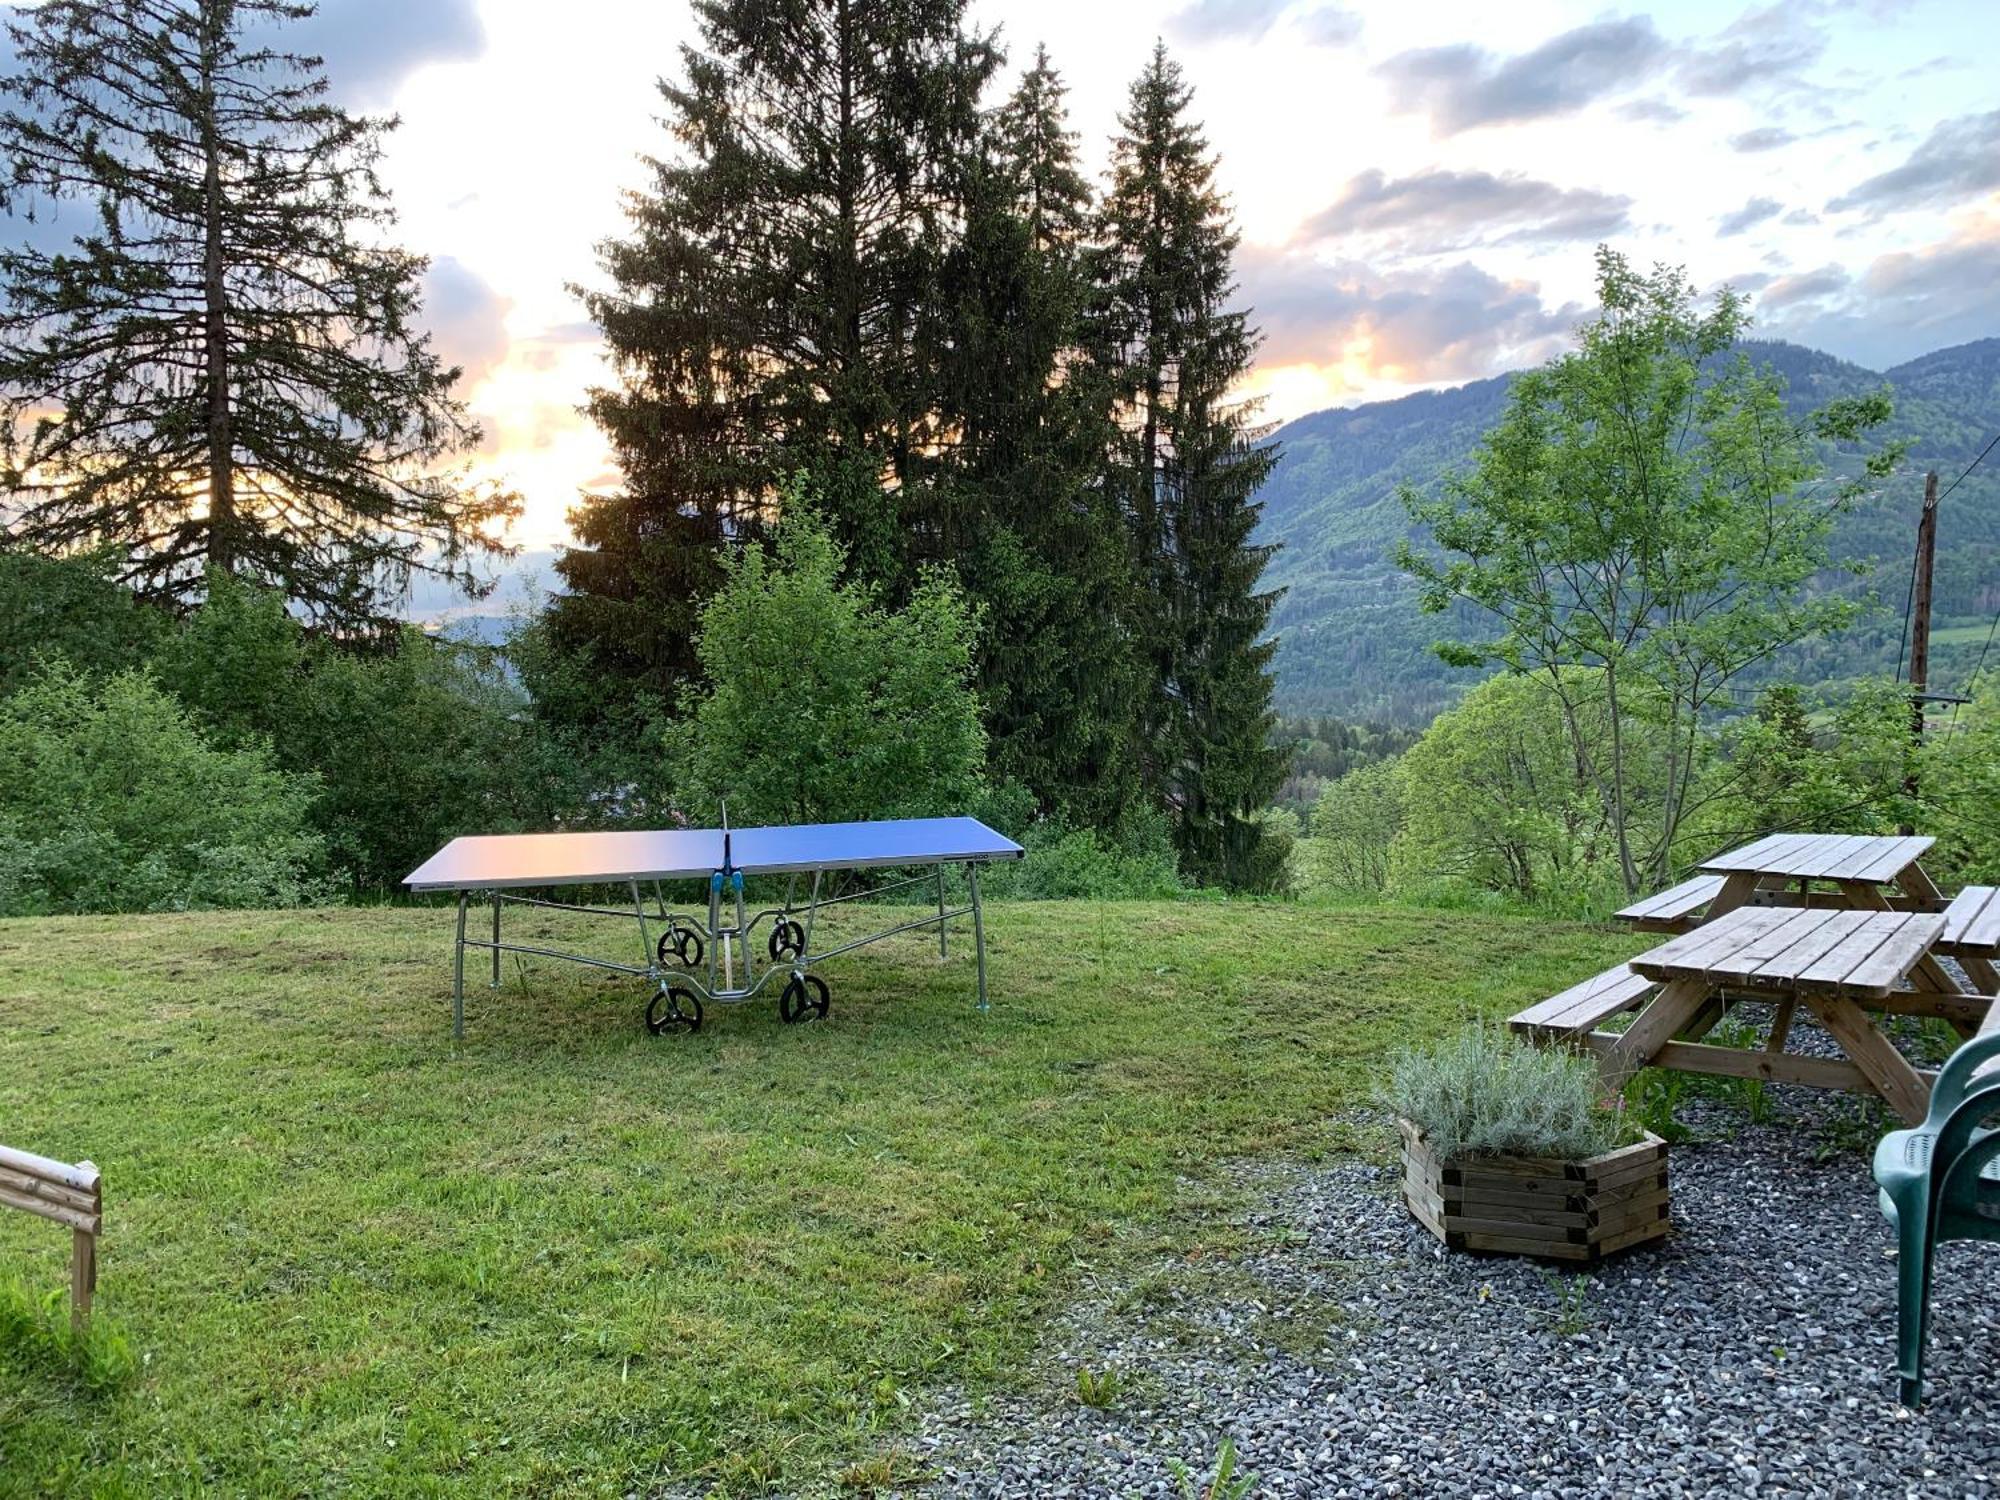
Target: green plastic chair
<point>1936,1187</point>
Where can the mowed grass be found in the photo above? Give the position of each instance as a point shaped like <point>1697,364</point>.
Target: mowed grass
<point>571,1258</point>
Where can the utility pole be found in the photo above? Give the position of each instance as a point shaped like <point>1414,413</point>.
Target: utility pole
<point>1920,627</point>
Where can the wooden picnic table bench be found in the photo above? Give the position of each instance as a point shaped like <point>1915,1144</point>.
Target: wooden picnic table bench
<point>1841,964</point>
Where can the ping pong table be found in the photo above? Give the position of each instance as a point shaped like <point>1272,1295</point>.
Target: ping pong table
<point>708,956</point>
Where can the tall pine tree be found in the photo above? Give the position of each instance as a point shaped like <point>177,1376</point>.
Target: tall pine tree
<point>1186,463</point>
<point>767,313</point>
<point>224,370</point>
<point>1024,508</point>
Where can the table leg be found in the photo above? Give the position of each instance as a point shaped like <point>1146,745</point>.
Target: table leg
<point>1897,1082</point>
<point>978,930</point>
<point>1736,891</point>
<point>1670,1011</point>
<point>458,973</point>
<point>496,940</point>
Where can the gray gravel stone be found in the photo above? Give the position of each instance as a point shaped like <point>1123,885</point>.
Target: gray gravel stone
<point>1347,1353</point>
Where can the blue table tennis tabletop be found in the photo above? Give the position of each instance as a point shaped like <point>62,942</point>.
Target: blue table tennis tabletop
<point>509,861</point>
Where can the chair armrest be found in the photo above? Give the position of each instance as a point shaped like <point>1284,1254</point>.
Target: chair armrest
<point>1956,1075</point>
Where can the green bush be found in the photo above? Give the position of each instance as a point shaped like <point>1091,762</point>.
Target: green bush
<point>1135,863</point>
<point>1482,1093</point>
<point>825,705</point>
<point>111,799</point>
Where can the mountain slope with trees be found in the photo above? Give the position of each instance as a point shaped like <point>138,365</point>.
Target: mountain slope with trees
<point>1351,640</point>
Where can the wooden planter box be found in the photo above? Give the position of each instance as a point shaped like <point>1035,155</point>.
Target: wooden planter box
<point>1533,1205</point>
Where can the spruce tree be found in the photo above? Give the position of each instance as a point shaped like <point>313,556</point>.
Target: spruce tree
<point>1024,510</point>
<point>1186,462</point>
<point>766,314</point>
<point>224,369</point>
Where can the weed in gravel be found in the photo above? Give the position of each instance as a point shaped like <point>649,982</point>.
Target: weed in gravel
<point>1226,1484</point>
<point>1098,1389</point>
<point>1850,1128</point>
<point>1572,1310</point>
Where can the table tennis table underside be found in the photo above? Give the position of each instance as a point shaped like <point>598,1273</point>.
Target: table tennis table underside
<point>501,866</point>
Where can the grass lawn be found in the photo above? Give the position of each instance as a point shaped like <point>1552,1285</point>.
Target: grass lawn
<point>571,1258</point>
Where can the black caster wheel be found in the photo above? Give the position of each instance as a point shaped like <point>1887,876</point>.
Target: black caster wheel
<point>681,948</point>
<point>673,1009</point>
<point>804,999</point>
<point>788,940</point>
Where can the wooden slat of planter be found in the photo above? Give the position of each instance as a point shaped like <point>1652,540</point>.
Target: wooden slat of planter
<point>1514,1245</point>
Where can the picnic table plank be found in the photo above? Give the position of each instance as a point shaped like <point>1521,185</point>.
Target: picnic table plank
<point>1862,852</point>
<point>1891,962</point>
<point>1972,921</point>
<point>1675,901</point>
<point>1824,856</point>
<point>1806,946</point>
<point>1688,956</point>
<point>1895,859</point>
<point>1866,932</point>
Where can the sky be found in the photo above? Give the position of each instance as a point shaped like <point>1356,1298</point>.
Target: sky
<point>1419,183</point>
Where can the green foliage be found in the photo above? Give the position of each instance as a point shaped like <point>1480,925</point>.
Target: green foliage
<point>36,1334</point>
<point>1961,787</point>
<point>412,745</point>
<point>69,607</point>
<point>111,800</point>
<point>226,370</point>
<point>826,706</point>
<point>1322,749</point>
<point>1804,764</point>
<point>1099,1389</point>
<point>1483,1093</point>
<point>1495,798</point>
<point>1186,462</point>
<point>1646,508</point>
<point>1352,641</point>
<point>1225,1484</point>
<point>1133,861</point>
<point>1354,826</point>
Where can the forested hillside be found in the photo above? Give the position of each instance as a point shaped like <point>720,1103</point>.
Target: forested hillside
<point>1352,642</point>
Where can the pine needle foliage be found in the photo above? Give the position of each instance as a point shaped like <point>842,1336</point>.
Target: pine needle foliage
<point>223,368</point>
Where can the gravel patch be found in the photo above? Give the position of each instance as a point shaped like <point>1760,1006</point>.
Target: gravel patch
<point>1347,1353</point>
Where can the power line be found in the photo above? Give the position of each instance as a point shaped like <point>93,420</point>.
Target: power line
<point>1973,465</point>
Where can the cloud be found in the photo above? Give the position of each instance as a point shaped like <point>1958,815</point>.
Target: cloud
<point>467,319</point>
<point>1806,286</point>
<point>1902,305</point>
<point>1223,20</point>
<point>1959,159</point>
<point>1331,26</point>
<point>1763,138</point>
<point>1462,86</point>
<point>1439,209</point>
<point>371,46</point>
<point>1651,112</point>
<point>1453,322</point>
<point>1759,47</point>
<point>1751,214</point>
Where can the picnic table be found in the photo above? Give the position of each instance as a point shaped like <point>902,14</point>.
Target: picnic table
<point>1846,926</point>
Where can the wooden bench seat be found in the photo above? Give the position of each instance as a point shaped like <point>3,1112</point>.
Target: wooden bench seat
<point>1583,1007</point>
<point>1972,936</point>
<point>1674,909</point>
<point>1972,923</point>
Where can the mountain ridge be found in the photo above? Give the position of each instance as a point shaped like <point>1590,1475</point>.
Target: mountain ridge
<point>1352,642</point>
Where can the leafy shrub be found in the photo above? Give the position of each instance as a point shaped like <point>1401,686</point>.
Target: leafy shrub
<point>824,704</point>
<point>1354,823</point>
<point>1482,1093</point>
<point>1133,863</point>
<point>111,799</point>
